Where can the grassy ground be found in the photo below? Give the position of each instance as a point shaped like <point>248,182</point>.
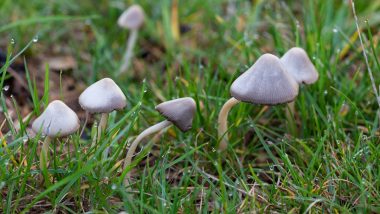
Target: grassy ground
<point>328,163</point>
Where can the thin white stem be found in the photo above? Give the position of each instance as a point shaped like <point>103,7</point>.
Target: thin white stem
<point>44,154</point>
<point>290,112</point>
<point>129,51</point>
<point>102,125</point>
<point>373,83</point>
<point>135,143</point>
<point>222,122</point>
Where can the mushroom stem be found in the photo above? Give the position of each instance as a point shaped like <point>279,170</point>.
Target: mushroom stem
<point>290,117</point>
<point>129,51</point>
<point>102,125</point>
<point>222,122</point>
<point>44,153</point>
<point>135,143</point>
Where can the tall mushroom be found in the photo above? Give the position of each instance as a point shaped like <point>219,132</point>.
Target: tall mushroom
<point>104,96</point>
<point>299,65</point>
<point>58,120</point>
<point>266,82</point>
<point>132,19</point>
<point>179,112</point>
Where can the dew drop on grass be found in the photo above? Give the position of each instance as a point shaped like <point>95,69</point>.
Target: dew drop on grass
<point>335,30</point>
<point>271,167</point>
<point>12,41</point>
<point>213,149</point>
<point>35,39</point>
<point>6,88</point>
<point>113,187</point>
<point>325,92</point>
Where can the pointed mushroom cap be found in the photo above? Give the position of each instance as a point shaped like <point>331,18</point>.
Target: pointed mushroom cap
<point>103,96</point>
<point>179,111</point>
<point>132,18</point>
<point>57,120</point>
<point>265,82</point>
<point>298,64</point>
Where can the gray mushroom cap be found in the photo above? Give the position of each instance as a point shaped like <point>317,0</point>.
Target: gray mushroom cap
<point>132,18</point>
<point>57,120</point>
<point>265,82</point>
<point>298,64</point>
<point>103,96</point>
<point>179,111</point>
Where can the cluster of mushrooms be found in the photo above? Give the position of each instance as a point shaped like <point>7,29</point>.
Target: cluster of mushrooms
<point>269,81</point>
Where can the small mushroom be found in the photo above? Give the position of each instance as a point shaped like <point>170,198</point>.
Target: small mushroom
<point>298,64</point>
<point>132,19</point>
<point>179,112</point>
<point>58,120</point>
<point>266,82</point>
<point>104,96</point>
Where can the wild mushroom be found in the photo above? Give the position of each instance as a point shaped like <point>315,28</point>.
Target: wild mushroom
<point>298,64</point>
<point>58,120</point>
<point>266,82</point>
<point>104,96</point>
<point>132,19</point>
<point>179,112</point>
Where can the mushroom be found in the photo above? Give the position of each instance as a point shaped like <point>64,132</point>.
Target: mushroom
<point>132,19</point>
<point>179,112</point>
<point>104,96</point>
<point>266,82</point>
<point>58,120</point>
<point>298,64</point>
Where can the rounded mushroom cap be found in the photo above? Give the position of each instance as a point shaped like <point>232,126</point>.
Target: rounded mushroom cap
<point>57,120</point>
<point>298,64</point>
<point>265,82</point>
<point>179,111</point>
<point>132,18</point>
<point>103,96</point>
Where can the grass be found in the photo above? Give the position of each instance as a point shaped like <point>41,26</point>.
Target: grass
<point>330,164</point>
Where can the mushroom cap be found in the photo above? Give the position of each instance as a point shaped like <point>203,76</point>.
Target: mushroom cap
<point>298,64</point>
<point>103,96</point>
<point>265,82</point>
<point>57,120</point>
<point>179,111</point>
<point>132,18</point>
